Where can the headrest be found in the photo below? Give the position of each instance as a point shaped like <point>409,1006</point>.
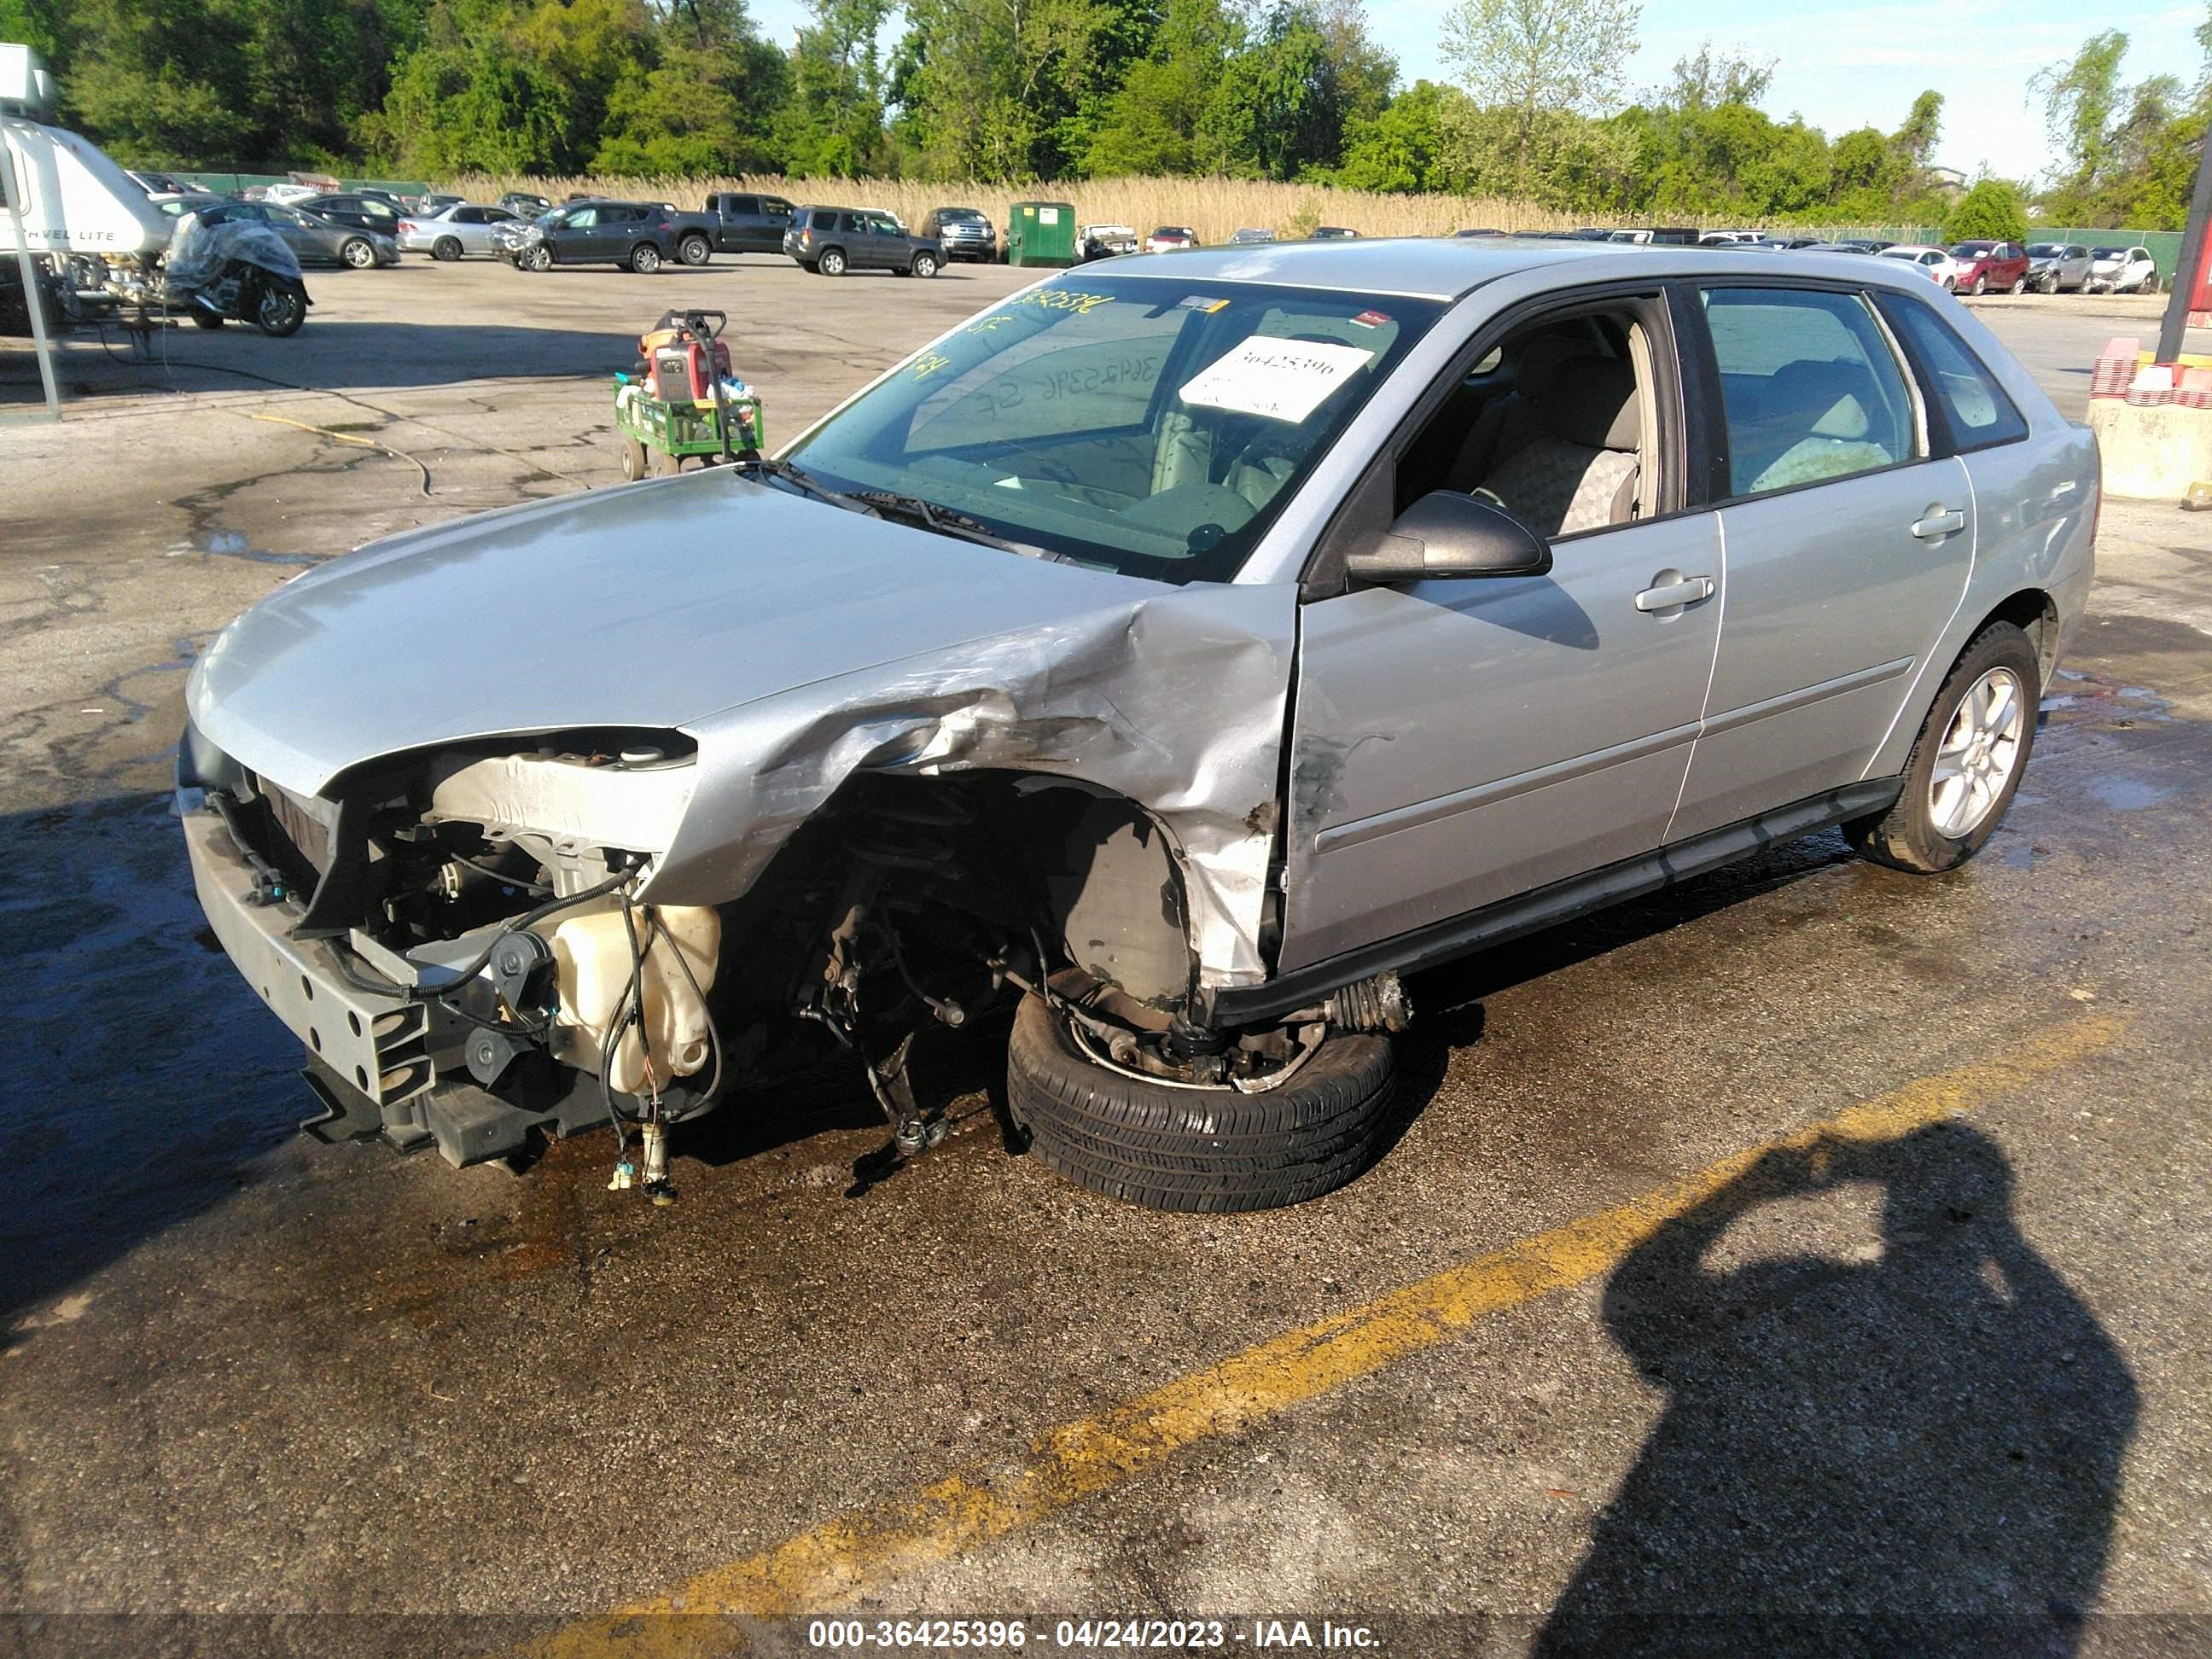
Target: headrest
<point>1832,395</point>
<point>1540,359</point>
<point>1591,401</point>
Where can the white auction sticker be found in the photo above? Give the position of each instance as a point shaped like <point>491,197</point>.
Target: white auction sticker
<point>1283,379</point>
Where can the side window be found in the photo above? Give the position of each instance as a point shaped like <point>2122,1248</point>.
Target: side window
<point>1809,387</point>
<point>851,223</point>
<point>776,207</point>
<point>1970,400</point>
<point>825,221</point>
<point>470,215</point>
<point>879,226</point>
<point>741,205</point>
<point>581,219</point>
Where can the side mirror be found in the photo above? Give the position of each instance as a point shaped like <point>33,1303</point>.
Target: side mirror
<point>1448,534</point>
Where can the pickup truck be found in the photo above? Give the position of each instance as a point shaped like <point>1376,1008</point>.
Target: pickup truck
<point>740,221</point>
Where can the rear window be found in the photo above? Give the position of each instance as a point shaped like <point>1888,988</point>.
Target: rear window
<point>1962,392</point>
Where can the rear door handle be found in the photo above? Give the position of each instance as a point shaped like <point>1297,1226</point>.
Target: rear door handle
<point>1672,595</point>
<point>1939,523</point>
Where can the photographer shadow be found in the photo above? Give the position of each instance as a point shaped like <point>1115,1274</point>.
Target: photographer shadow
<point>1917,1454</point>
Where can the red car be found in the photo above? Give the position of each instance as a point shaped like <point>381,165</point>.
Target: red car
<point>1985,265</point>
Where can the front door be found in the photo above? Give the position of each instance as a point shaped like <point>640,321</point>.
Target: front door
<point>1847,550</point>
<point>1458,742</point>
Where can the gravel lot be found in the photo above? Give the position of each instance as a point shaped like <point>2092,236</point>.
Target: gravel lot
<point>1607,1336</point>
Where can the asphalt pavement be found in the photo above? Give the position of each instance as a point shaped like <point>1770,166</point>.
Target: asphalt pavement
<point>1812,1259</point>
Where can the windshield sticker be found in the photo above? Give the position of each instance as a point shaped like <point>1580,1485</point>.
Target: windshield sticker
<point>1199,302</point>
<point>1281,379</point>
<point>1371,318</point>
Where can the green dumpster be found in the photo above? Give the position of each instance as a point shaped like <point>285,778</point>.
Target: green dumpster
<point>1041,233</point>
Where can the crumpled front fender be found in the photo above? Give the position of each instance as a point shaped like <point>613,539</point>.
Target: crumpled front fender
<point>1174,700</point>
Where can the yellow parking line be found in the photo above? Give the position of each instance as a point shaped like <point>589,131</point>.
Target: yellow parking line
<point>831,1566</point>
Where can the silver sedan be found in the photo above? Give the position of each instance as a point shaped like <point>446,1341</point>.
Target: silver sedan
<point>454,231</point>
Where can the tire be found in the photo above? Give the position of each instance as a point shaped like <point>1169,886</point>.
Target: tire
<point>831,262</point>
<point>1981,287</point>
<point>645,259</point>
<point>278,312</point>
<point>356,251</point>
<point>666,465</point>
<point>2018,284</point>
<point>206,320</point>
<point>1198,1150</point>
<point>633,459</point>
<point>535,258</point>
<point>1912,835</point>
<point>923,265</point>
<point>694,251</point>
<point>447,248</point>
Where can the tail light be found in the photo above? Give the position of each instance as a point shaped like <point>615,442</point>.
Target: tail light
<point>406,227</point>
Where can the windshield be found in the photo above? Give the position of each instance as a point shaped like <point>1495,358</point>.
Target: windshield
<point>2107,253</point>
<point>1149,427</point>
<point>1969,250</point>
<point>2045,250</point>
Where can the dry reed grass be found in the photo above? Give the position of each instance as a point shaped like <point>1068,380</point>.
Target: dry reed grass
<point>1212,207</point>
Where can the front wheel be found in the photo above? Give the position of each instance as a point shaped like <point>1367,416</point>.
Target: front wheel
<point>1966,763</point>
<point>1981,287</point>
<point>694,251</point>
<point>537,258</point>
<point>279,310</point>
<point>1173,1145</point>
<point>645,259</point>
<point>2018,285</point>
<point>924,264</point>
<point>357,253</point>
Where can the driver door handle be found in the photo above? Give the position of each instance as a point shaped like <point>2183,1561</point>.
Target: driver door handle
<point>1939,523</point>
<point>1688,591</point>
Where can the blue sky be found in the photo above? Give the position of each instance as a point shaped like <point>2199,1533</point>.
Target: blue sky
<point>1846,65</point>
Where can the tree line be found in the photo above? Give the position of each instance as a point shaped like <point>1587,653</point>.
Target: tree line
<point>1009,91</point>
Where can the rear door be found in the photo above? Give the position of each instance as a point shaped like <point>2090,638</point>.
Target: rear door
<point>1847,546</point>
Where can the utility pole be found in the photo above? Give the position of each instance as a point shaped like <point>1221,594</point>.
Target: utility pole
<point>2187,269</point>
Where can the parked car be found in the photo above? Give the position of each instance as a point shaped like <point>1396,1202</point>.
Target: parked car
<point>1867,244</point>
<point>2052,266</point>
<point>831,241</point>
<point>453,232</point>
<point>434,202</point>
<point>1104,242</point>
<point>642,236</point>
<point>165,183</point>
<point>963,233</point>
<point>1933,262</point>
<point>1137,657</point>
<point>1983,266</point>
<point>1478,230</point>
<point>280,193</point>
<point>1170,239</point>
<point>1663,235</point>
<point>1829,247</point>
<point>1791,244</point>
<point>1249,236</point>
<point>358,209</point>
<point>2123,270</point>
<point>1728,238</point>
<point>314,240</point>
<point>1334,234</point>
<point>745,222</point>
<point>524,205</point>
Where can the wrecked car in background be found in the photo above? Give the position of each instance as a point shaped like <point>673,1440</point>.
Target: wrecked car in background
<point>1182,652</point>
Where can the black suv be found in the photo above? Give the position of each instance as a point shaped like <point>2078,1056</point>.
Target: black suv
<point>358,209</point>
<point>833,241</point>
<point>962,233</point>
<point>640,235</point>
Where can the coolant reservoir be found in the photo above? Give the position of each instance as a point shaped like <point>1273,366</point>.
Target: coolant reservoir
<point>591,967</point>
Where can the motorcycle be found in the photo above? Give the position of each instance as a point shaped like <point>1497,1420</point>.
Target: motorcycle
<point>236,271</point>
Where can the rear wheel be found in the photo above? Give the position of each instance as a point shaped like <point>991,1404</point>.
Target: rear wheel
<point>694,251</point>
<point>924,264</point>
<point>645,259</point>
<point>1186,1147</point>
<point>832,262</point>
<point>1966,763</point>
<point>446,247</point>
<point>633,459</point>
<point>278,311</point>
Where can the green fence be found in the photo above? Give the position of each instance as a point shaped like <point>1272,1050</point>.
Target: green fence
<point>223,183</point>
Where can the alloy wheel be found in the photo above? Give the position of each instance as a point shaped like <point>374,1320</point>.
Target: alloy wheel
<point>1979,751</point>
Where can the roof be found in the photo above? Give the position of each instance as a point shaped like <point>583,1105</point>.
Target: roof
<point>1445,268</point>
